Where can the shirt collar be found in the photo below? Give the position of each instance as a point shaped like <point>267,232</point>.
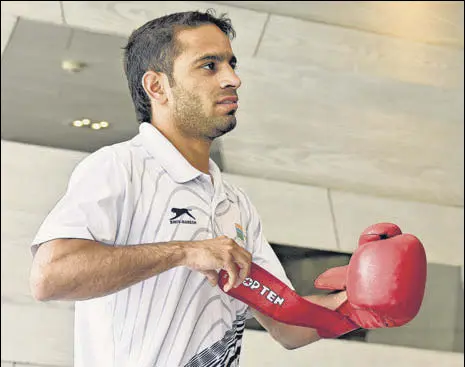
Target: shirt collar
<point>172,161</point>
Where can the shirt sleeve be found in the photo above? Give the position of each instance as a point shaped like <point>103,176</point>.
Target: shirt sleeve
<point>91,206</point>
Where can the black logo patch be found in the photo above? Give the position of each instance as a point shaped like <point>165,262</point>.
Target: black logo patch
<point>178,212</point>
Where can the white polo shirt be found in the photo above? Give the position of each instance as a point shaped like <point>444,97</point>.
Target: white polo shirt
<point>144,191</point>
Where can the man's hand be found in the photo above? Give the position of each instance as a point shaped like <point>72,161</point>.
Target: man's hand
<point>222,252</point>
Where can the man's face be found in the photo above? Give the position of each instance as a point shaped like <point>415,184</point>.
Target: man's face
<point>205,91</point>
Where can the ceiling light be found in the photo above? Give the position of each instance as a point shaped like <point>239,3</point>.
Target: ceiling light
<point>73,66</point>
<point>87,123</point>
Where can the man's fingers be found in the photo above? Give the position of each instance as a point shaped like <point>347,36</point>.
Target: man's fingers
<point>244,262</point>
<point>241,270</point>
<point>212,276</point>
<point>233,271</point>
<point>224,253</point>
<point>245,269</point>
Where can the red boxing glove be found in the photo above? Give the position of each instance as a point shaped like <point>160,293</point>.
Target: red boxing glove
<point>385,286</point>
<point>385,279</point>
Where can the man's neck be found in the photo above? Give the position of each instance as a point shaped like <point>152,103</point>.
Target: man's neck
<point>195,151</point>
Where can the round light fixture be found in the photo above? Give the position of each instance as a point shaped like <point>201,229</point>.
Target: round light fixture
<point>87,123</point>
<point>72,66</point>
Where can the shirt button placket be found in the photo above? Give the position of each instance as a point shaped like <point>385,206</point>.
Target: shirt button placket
<point>211,195</point>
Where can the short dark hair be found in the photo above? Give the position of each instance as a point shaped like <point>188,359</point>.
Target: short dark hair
<point>153,47</point>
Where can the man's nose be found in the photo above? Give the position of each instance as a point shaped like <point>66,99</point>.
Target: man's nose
<point>230,79</point>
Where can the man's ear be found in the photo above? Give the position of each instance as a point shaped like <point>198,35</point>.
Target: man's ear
<point>154,85</point>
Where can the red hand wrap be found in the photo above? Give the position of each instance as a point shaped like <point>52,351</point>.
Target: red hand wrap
<point>267,294</point>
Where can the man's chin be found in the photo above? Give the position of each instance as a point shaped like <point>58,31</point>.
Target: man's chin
<point>232,122</point>
<point>225,127</point>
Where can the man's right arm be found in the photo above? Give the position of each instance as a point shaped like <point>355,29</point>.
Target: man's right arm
<point>78,269</point>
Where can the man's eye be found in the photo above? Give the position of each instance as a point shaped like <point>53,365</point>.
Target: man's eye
<point>210,66</point>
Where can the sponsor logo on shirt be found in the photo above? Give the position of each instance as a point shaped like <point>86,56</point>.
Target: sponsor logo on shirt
<point>181,215</point>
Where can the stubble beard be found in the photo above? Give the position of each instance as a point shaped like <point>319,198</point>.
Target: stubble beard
<point>192,121</point>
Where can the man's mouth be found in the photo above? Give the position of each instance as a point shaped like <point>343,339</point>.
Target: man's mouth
<point>229,102</point>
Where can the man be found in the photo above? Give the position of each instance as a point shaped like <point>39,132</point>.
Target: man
<point>146,224</point>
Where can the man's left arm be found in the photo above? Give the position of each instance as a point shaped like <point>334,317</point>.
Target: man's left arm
<point>292,336</point>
